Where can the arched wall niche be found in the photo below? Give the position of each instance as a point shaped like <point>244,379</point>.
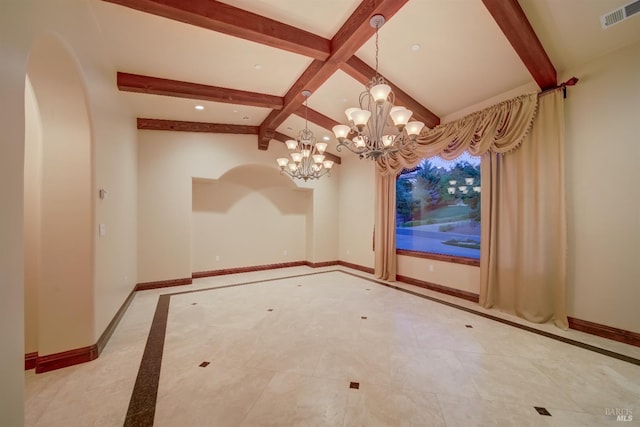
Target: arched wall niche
<point>59,243</point>
<point>251,215</point>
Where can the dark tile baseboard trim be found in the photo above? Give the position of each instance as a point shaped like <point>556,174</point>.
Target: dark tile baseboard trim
<point>163,284</point>
<point>576,343</point>
<point>225,271</point>
<point>81,355</point>
<point>469,296</point>
<point>86,354</point>
<point>111,327</point>
<point>63,359</point>
<point>30,360</point>
<point>357,267</point>
<point>604,331</point>
<point>321,264</point>
<point>76,356</point>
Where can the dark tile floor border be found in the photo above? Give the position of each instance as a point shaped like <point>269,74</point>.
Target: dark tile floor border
<point>142,406</point>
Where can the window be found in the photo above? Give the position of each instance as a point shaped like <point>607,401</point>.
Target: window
<point>438,207</point>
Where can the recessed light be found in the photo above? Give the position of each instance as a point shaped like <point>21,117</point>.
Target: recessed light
<point>235,111</point>
<point>257,66</point>
<point>199,107</point>
<point>326,138</point>
<point>415,47</point>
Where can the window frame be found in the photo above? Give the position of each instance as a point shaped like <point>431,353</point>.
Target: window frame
<point>439,257</point>
<point>454,259</point>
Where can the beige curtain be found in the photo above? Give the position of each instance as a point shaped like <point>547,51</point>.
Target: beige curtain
<point>523,242</point>
<point>385,227</point>
<point>499,128</point>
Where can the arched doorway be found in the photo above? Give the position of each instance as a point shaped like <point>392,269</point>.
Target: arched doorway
<point>58,209</point>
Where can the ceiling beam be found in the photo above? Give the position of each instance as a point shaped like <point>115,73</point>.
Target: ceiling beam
<point>316,117</point>
<point>338,53</point>
<point>311,79</point>
<point>182,126</point>
<point>349,38</point>
<point>223,18</point>
<point>518,30</point>
<point>329,156</point>
<point>359,70</point>
<point>157,86</point>
<point>356,30</point>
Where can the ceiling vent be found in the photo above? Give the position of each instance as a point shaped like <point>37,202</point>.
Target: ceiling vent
<point>616,16</point>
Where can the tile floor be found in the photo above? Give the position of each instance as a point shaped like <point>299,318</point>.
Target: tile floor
<point>283,351</point>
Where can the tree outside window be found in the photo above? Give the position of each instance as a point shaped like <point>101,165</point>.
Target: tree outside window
<point>438,207</point>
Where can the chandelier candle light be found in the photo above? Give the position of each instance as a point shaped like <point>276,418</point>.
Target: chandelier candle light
<point>307,156</point>
<point>377,128</point>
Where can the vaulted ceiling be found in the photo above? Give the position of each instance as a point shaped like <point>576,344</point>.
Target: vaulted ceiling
<point>247,61</point>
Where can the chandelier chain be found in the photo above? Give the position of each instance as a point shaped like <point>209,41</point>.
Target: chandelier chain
<point>306,112</point>
<point>377,50</point>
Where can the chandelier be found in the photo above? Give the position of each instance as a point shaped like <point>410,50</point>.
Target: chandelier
<point>307,156</point>
<point>463,189</point>
<point>377,128</point>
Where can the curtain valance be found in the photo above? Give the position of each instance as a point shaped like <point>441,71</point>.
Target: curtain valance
<point>499,129</point>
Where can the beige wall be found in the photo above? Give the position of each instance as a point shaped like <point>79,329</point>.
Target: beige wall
<point>14,46</point>
<point>65,291</point>
<point>325,217</point>
<point>113,136</point>
<point>252,215</point>
<point>456,276</point>
<point>356,209</point>
<point>112,160</point>
<point>167,163</point>
<point>32,217</point>
<point>357,201</point>
<point>603,196</point>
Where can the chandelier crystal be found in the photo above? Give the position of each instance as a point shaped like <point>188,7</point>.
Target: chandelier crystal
<point>307,156</point>
<point>378,127</point>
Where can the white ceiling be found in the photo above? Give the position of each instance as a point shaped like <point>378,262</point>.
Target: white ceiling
<point>321,17</point>
<point>570,29</point>
<point>463,58</point>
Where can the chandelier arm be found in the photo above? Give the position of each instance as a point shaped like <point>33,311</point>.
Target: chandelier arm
<point>379,136</point>
<point>303,163</point>
<point>316,175</point>
<point>348,147</point>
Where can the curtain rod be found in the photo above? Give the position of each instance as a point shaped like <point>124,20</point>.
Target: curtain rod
<point>571,82</point>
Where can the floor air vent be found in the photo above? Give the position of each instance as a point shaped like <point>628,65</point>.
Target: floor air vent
<point>616,16</point>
